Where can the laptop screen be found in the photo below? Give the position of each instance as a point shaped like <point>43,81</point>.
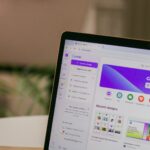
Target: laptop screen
<point>102,99</point>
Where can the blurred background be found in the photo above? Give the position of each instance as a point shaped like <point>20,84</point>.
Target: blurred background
<point>30,32</point>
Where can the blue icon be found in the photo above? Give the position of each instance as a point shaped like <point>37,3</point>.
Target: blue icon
<point>119,95</point>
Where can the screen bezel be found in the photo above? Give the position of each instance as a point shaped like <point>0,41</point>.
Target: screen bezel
<point>132,43</point>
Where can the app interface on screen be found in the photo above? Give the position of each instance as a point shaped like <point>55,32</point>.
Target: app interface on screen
<point>103,98</point>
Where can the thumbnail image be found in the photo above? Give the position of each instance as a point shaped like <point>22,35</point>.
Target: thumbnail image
<point>138,130</point>
<point>146,135</point>
<point>135,129</point>
<point>108,123</point>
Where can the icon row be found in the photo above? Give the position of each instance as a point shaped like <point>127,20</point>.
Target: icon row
<point>130,97</point>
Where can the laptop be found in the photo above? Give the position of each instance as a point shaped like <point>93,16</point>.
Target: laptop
<point>101,94</point>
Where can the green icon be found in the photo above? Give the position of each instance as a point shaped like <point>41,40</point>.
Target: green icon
<point>130,97</point>
<point>119,95</point>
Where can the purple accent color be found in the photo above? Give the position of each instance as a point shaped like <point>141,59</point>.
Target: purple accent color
<point>109,93</point>
<point>146,131</point>
<point>66,55</point>
<point>124,78</point>
<point>84,63</point>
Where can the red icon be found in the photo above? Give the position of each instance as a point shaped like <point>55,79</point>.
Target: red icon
<point>141,98</point>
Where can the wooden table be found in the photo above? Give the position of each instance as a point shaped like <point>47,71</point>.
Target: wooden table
<point>19,148</point>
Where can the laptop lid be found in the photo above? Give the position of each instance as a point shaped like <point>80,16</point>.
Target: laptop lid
<point>101,94</point>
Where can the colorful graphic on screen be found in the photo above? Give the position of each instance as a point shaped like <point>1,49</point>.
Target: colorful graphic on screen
<point>138,130</point>
<point>124,78</point>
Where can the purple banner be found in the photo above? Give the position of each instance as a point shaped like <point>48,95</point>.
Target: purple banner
<point>124,78</point>
<point>84,63</point>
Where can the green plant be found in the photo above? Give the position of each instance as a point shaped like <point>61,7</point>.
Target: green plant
<point>28,86</point>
